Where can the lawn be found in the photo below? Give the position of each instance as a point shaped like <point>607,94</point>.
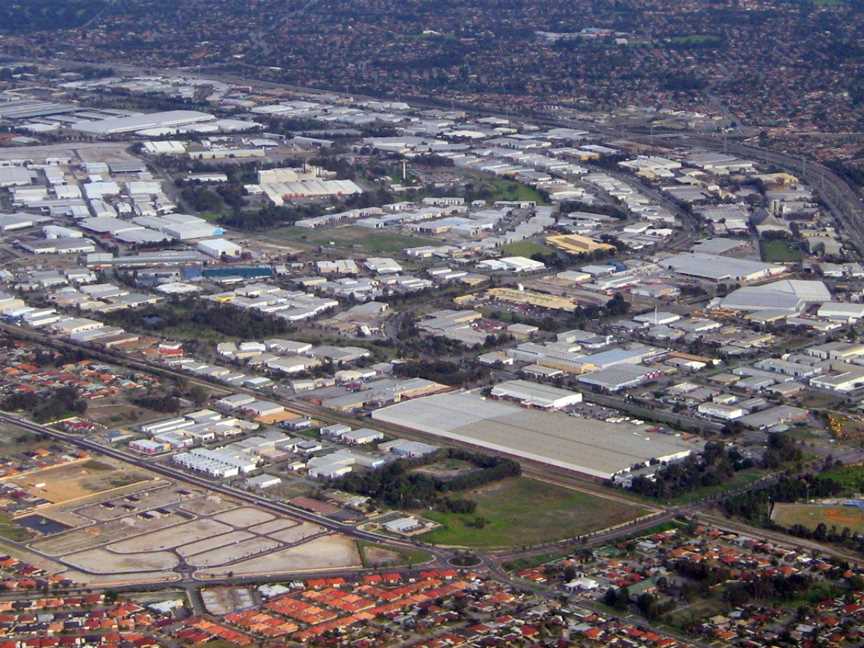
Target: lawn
<point>347,238</point>
<point>811,515</point>
<point>526,249</point>
<point>521,511</point>
<point>779,251</point>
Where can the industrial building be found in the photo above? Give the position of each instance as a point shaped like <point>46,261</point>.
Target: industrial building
<point>533,394</point>
<point>139,122</point>
<point>787,296</point>
<point>585,446</point>
<point>714,267</point>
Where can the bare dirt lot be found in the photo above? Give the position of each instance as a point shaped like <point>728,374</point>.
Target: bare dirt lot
<point>76,480</point>
<point>102,561</point>
<point>172,537</point>
<point>330,552</point>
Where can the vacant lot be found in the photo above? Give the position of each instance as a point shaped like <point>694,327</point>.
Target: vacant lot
<point>329,552</point>
<point>75,480</point>
<point>378,556</point>
<point>351,238</point>
<point>780,251</point>
<point>811,515</point>
<point>524,512</point>
<point>446,469</point>
<point>526,249</point>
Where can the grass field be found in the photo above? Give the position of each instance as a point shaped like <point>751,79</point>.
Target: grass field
<point>348,238</point>
<point>811,515</point>
<point>850,477</point>
<point>525,248</point>
<point>495,189</point>
<point>518,512</point>
<point>375,556</point>
<point>11,531</point>
<point>779,251</point>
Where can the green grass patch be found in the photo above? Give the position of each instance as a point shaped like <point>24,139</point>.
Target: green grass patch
<point>374,555</point>
<point>526,249</point>
<point>352,238</point>
<point>524,512</point>
<point>779,251</point>
<point>851,478</point>
<point>11,531</point>
<point>495,189</point>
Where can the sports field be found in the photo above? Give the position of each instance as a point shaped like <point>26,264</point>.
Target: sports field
<point>811,515</point>
<point>522,511</point>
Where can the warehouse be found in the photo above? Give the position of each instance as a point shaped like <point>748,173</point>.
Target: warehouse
<point>586,446</point>
<point>720,268</point>
<point>841,312</point>
<point>133,123</point>
<point>846,379</point>
<point>618,377</point>
<point>11,222</point>
<point>533,394</point>
<point>16,177</point>
<point>217,248</point>
<point>787,296</point>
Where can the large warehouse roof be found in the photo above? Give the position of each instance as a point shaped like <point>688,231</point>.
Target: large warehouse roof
<point>536,394</point>
<point>587,446</point>
<point>719,268</point>
<point>133,123</point>
<point>788,295</point>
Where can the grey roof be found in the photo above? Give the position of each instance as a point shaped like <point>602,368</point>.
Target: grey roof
<point>584,445</point>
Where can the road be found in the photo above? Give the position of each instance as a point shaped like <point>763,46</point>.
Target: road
<point>536,469</point>
<point>190,478</point>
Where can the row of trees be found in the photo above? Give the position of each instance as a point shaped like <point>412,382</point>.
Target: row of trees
<point>716,465</point>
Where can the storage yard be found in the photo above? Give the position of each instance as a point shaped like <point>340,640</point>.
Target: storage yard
<point>590,447</point>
